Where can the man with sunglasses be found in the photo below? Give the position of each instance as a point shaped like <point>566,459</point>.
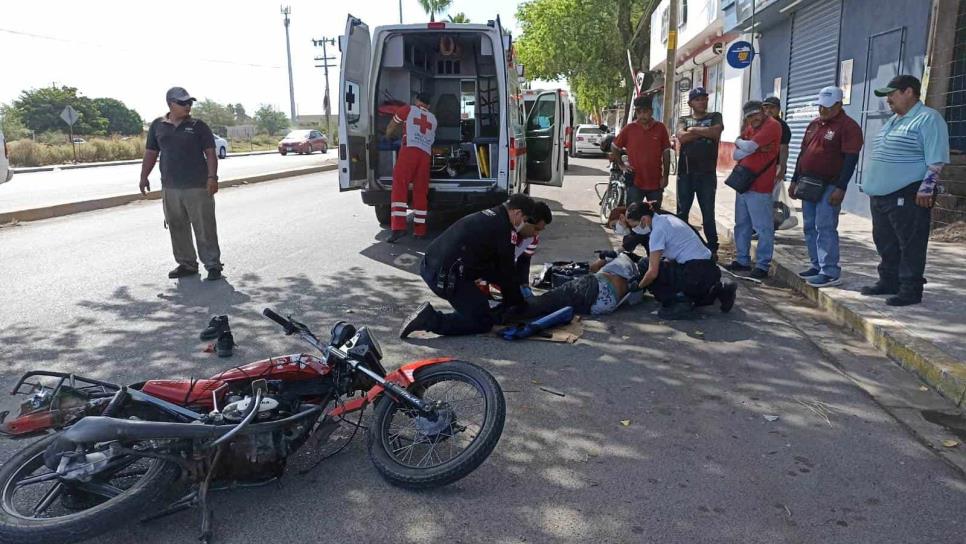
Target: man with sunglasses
<point>189,181</point>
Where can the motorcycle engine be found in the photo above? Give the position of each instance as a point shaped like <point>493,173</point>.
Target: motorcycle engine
<point>235,411</point>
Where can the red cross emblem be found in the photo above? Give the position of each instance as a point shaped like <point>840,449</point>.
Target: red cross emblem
<point>423,123</point>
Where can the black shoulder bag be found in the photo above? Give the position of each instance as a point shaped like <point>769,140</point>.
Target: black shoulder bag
<point>741,178</point>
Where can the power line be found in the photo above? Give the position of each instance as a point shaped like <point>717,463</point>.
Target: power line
<point>115,48</point>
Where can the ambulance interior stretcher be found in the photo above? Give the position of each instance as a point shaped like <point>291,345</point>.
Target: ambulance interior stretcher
<point>459,73</point>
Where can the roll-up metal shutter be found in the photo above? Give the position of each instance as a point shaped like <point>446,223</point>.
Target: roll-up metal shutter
<point>813,65</point>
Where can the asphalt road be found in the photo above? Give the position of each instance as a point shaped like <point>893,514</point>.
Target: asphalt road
<point>39,189</point>
<point>697,462</point>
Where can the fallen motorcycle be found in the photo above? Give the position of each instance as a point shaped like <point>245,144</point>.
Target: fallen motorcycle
<point>143,451</point>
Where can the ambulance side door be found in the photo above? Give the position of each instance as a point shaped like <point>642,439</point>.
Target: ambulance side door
<point>545,140</point>
<point>354,106</point>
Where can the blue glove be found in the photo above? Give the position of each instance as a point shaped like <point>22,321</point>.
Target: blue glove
<point>526,291</point>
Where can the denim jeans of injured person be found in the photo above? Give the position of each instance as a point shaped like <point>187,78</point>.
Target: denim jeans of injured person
<point>580,293</point>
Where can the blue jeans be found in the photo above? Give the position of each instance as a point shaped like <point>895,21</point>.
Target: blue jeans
<point>753,211</point>
<point>704,185</point>
<point>822,234</point>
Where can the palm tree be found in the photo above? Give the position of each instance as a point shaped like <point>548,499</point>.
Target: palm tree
<point>459,18</point>
<point>432,7</point>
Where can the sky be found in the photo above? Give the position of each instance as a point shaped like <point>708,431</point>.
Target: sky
<point>228,51</point>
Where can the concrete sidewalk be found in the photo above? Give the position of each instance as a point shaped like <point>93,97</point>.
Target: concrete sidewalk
<point>928,338</point>
<point>72,166</point>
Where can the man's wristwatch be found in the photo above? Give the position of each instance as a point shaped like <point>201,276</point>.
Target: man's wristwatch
<point>213,177</point>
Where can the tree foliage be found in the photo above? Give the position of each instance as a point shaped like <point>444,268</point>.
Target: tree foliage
<point>586,42</point>
<point>270,120</point>
<point>459,18</point>
<point>11,125</point>
<point>214,113</point>
<point>40,110</point>
<point>120,118</point>
<point>435,7</point>
<point>241,117</point>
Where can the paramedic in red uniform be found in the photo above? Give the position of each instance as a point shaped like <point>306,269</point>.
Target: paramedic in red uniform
<point>412,165</point>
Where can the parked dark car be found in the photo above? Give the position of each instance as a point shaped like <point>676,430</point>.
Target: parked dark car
<point>303,141</point>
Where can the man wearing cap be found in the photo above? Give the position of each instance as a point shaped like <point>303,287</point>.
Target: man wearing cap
<point>902,181</point>
<point>698,135</point>
<point>418,126</point>
<point>189,181</point>
<point>757,150</point>
<point>772,106</point>
<point>645,141</point>
<point>829,152</point>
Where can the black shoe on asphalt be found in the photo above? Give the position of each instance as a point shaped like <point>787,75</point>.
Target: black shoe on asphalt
<point>735,266</point>
<point>758,274</point>
<point>879,288</point>
<point>214,274</point>
<point>903,299</point>
<point>418,320</point>
<point>395,236</point>
<point>182,271</point>
<point>225,345</point>
<point>727,296</point>
<point>216,326</point>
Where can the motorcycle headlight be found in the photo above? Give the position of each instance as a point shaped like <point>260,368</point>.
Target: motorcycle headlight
<point>365,337</point>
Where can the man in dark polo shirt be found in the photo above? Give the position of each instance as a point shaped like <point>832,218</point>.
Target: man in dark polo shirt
<point>830,151</point>
<point>645,140</point>
<point>189,181</point>
<point>698,135</point>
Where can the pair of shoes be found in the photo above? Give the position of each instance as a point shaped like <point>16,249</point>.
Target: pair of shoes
<point>395,236</point>
<point>727,296</point>
<point>225,345</point>
<point>735,266</point>
<point>822,280</point>
<point>214,274</point>
<point>812,271</point>
<point>182,271</point>
<point>675,311</point>
<point>758,274</point>
<point>904,299</point>
<point>879,288</point>
<point>217,325</point>
<point>419,320</point>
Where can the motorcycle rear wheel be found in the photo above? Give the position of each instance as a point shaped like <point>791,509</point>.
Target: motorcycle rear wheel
<point>410,451</point>
<point>90,514</point>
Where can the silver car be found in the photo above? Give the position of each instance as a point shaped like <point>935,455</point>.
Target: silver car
<point>6,173</point>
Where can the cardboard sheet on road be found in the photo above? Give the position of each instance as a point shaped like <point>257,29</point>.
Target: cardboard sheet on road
<point>566,334</point>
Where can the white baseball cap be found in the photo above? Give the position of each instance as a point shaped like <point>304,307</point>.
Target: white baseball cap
<point>828,96</point>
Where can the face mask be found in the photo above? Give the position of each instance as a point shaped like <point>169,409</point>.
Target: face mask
<point>620,230</point>
<point>641,229</point>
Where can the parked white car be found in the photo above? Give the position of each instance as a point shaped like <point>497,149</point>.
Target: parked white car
<point>587,140</point>
<point>6,173</point>
<point>222,146</point>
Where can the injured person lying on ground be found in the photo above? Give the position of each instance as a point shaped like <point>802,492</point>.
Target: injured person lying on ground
<point>679,273</point>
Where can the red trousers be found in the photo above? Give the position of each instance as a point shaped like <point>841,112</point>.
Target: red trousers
<point>412,166</point>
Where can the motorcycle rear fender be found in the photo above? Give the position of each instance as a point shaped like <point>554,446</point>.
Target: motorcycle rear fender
<point>404,376</point>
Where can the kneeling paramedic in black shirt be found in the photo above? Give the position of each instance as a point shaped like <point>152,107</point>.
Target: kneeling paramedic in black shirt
<point>477,247</point>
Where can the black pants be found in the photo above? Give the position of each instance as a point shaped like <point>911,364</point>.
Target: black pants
<point>630,242</point>
<point>699,280</point>
<point>900,230</point>
<point>705,186</point>
<point>472,315</point>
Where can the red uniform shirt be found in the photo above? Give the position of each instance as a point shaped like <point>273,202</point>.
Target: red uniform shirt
<point>826,143</point>
<point>768,137</point>
<point>645,149</point>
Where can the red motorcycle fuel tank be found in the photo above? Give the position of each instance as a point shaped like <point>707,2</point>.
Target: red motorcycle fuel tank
<point>185,392</point>
<point>293,368</point>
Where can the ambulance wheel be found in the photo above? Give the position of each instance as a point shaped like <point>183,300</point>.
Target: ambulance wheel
<point>382,214</point>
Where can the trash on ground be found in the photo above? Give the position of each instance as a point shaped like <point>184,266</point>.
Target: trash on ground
<point>951,443</point>
<point>771,418</point>
<point>625,422</point>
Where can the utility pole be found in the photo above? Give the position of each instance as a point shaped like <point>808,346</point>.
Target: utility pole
<point>400,12</point>
<point>324,59</point>
<point>286,10</point>
<point>672,48</point>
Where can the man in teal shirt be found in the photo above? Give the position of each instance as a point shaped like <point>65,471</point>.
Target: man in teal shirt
<point>902,181</point>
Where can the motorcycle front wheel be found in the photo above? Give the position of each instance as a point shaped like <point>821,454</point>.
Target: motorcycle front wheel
<point>417,452</point>
<point>36,507</point>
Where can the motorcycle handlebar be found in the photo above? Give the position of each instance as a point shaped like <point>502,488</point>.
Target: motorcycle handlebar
<point>285,323</point>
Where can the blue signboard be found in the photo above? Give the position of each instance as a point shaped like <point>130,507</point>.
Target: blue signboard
<point>740,55</point>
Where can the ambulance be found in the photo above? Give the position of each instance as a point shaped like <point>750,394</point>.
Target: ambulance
<point>487,145</point>
<point>569,111</point>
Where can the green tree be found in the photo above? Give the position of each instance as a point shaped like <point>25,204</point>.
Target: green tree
<point>120,118</point>
<point>459,18</point>
<point>213,113</point>
<point>585,41</point>
<point>241,117</point>
<point>40,110</point>
<point>434,7</point>
<point>270,120</point>
<point>11,125</point>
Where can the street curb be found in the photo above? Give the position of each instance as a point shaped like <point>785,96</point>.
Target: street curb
<point>52,167</point>
<point>59,210</point>
<point>937,368</point>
